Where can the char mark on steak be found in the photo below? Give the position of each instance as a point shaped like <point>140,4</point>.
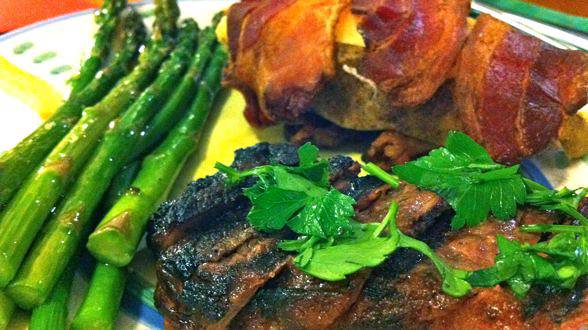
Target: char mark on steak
<point>215,271</point>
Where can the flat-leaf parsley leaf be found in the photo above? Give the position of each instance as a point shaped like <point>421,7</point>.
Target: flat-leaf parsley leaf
<point>465,175</point>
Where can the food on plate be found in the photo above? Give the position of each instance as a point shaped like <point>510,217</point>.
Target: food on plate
<point>411,45</point>
<point>509,90</point>
<point>573,135</point>
<point>283,239</point>
<point>53,313</point>
<point>17,163</point>
<point>25,214</point>
<point>7,307</point>
<point>258,71</point>
<point>107,20</point>
<point>513,90</point>
<point>440,229</point>
<point>206,248</point>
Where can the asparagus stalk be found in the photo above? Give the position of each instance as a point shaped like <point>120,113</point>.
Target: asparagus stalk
<point>58,242</point>
<point>118,234</point>
<point>17,164</point>
<point>106,18</point>
<point>174,109</point>
<point>26,213</point>
<point>100,307</point>
<point>53,313</point>
<point>6,310</point>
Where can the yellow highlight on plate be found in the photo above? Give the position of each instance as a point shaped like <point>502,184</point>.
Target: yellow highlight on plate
<point>226,131</point>
<point>30,90</point>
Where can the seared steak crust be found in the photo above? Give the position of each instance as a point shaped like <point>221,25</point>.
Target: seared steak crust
<point>394,297</point>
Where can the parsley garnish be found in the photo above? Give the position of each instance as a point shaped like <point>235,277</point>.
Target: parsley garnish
<point>299,198</point>
<point>368,246</point>
<point>557,263</point>
<point>331,245</point>
<point>464,174</point>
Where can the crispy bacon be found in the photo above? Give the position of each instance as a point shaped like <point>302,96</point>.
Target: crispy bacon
<point>513,89</point>
<point>411,45</point>
<point>281,52</point>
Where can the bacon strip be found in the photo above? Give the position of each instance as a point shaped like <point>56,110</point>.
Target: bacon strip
<point>412,45</point>
<point>513,89</point>
<point>281,52</point>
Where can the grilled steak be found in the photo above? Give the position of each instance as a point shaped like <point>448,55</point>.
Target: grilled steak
<point>215,271</point>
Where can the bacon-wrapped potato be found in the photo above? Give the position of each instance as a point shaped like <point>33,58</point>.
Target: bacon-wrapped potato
<point>411,45</point>
<point>508,90</point>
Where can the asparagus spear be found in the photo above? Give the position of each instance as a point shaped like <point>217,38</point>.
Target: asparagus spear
<point>53,313</point>
<point>180,100</point>
<point>100,307</point>
<point>58,242</point>
<point>118,234</point>
<point>106,18</point>
<point>17,164</point>
<point>6,310</point>
<point>27,211</point>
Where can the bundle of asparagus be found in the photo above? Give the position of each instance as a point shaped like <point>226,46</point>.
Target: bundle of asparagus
<point>115,240</point>
<point>117,113</point>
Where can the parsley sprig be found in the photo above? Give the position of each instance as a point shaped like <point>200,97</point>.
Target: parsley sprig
<point>300,198</point>
<point>474,185</point>
<point>369,246</point>
<point>557,263</point>
<point>464,174</point>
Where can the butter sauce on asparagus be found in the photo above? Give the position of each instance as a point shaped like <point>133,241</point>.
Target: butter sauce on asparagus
<point>108,282</point>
